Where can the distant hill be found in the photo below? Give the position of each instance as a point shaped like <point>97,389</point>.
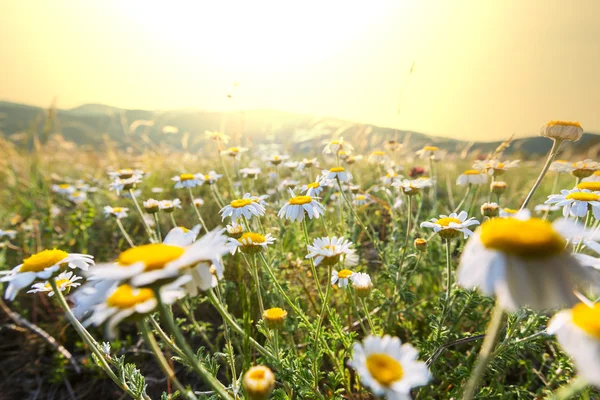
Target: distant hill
<point>92,124</point>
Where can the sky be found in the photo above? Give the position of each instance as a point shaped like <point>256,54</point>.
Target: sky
<point>465,68</point>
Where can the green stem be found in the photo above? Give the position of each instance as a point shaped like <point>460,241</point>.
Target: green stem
<point>124,232</point>
<point>366,309</point>
<point>312,262</point>
<point>196,209</point>
<point>157,222</point>
<point>139,210</point>
<point>551,156</point>
<point>173,220</point>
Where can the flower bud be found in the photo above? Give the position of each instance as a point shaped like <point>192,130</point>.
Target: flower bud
<point>274,317</point>
<point>490,209</point>
<point>498,187</point>
<point>259,382</point>
<point>361,282</point>
<point>421,244</point>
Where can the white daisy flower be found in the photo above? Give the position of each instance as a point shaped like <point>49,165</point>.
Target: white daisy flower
<point>545,208</point>
<point>119,185</point>
<point>298,206</point>
<point>11,234</point>
<point>578,332</point>
<point>427,152</point>
<point>508,212</point>
<point>250,172</point>
<point>246,207</point>
<point>43,265</point>
<point>524,262</point>
<point>209,178</point>
<point>341,277</point>
<point>289,183</point>
<point>64,281</point>
<point>562,130</point>
<point>471,177</point>
<point>235,230</point>
<point>169,205</point>
<point>77,197</point>
<point>338,173</point>
<point>315,188</point>
<point>119,212</point>
<point>262,199</point>
<point>387,367</point>
<point>390,177</point>
<point>276,159</point>
<point>187,180</point>
<point>146,264</point>
<point>329,251</point>
<point>583,169</point>
<point>495,167</point>
<point>352,159</point>
<point>198,202</point>
<point>308,163</point>
<point>450,226</point>
<point>234,152</point>
<point>490,209</point>
<point>291,164</point>
<point>151,206</point>
<point>335,146</point>
<point>378,157</point>
<point>217,136</point>
<point>125,173</point>
<point>361,199</point>
<point>560,166</point>
<point>412,187</point>
<point>63,188</point>
<point>250,243</point>
<point>361,282</point>
<point>576,202</point>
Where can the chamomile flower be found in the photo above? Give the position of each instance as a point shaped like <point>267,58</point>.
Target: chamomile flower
<point>338,173</point>
<point>361,199</point>
<point>498,187</point>
<point>276,159</point>
<point>362,284</point>
<point>329,251</point>
<point>151,206</point>
<point>471,177</point>
<point>258,382</point>
<point>209,178</point>
<point>352,159</point>
<point>244,207</point>
<point>77,197</point>
<point>63,188</point>
<point>187,181</point>
<point>119,185</point>
<point>11,234</point>
<point>387,367</point>
<point>299,206</point>
<point>64,281</point>
<point>274,318</point>
<point>335,146</point>
<point>589,185</point>
<point>562,130</point>
<point>560,166</point>
<point>198,202</point>
<point>289,183</point>
<point>524,262</point>
<point>169,205</point>
<point>151,264</point>
<point>451,226</point>
<point>43,265</point>
<point>583,169</point>
<point>262,199</point>
<point>427,152</point>
<point>291,164</point>
<point>495,167</point>
<point>119,212</point>
<point>378,157</point>
<point>250,243</point>
<point>234,152</point>
<point>578,333</point>
<point>390,177</point>
<point>308,163</point>
<point>235,230</point>
<point>217,136</point>
<point>545,208</point>
<point>412,187</point>
<point>490,209</point>
<point>125,173</point>
<point>508,212</point>
<point>576,202</point>
<point>315,188</point>
<point>250,172</point>
<point>341,277</point>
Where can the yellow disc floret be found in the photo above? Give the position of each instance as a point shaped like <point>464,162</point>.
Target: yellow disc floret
<point>154,256</point>
<point>345,273</point>
<point>313,185</point>
<point>239,203</point>
<point>587,318</point>
<point>127,297</point>
<point>384,369</point>
<point>471,172</point>
<point>251,237</point>
<point>583,196</point>
<point>591,186</point>
<point>446,221</point>
<point>430,148</point>
<point>564,123</point>
<point>337,169</point>
<point>42,260</point>
<point>299,200</point>
<point>378,153</point>
<point>186,177</point>
<point>532,238</point>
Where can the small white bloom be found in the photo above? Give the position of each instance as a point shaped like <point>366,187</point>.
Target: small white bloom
<point>298,206</point>
<point>338,173</point>
<point>545,208</point>
<point>119,212</point>
<point>576,202</point>
<point>217,136</point>
<point>495,167</point>
<point>244,207</point>
<point>151,206</point>
<point>63,188</point>
<point>361,199</point>
<point>412,187</point>
<point>341,277</point>
<point>315,188</point>
<point>187,180</point>
<point>390,177</point>
<point>471,177</point>
<point>234,152</point>
<point>169,205</point>
<point>250,243</point>
<point>11,234</point>
<point>209,178</point>
<point>77,197</point>
<point>427,152</point>
<point>64,281</point>
<point>329,251</point>
<point>378,157</point>
<point>250,172</point>
<point>361,282</point>
<point>450,226</point>
<point>335,146</point>
<point>276,159</point>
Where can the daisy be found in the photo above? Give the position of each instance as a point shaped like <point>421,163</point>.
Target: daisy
<point>412,187</point>
<point>182,236</point>
<point>427,152</point>
<point>154,263</point>
<point>209,178</point>
<point>64,281</point>
<point>390,177</point>
<point>169,205</point>
<point>337,173</point>
<point>187,181</point>
<point>250,243</point>
<point>378,157</point>
<point>262,199</point>
<point>288,183</point>
<point>315,188</point>
<point>43,265</point>
<point>151,206</point>
<point>274,317</point>
<point>508,212</point>
<point>361,199</point>
<point>341,278</point>
<point>560,166</point>
<point>259,382</point>
<point>235,230</point>
<point>291,165</point>
<point>335,146</point>
<point>11,234</point>
<point>245,207</point>
<point>276,159</point>
<point>250,172</point>
<point>393,145</point>
<point>329,251</point>
<point>77,197</point>
<point>495,167</point>
<point>361,282</point>
<point>583,169</point>
<point>119,302</point>
<point>490,209</point>
<point>217,136</point>
<point>63,188</point>
<point>234,152</point>
<point>545,208</point>
<point>450,226</point>
<point>498,187</point>
<point>471,177</point>
<point>562,130</point>
<point>524,262</point>
<point>119,185</point>
<point>352,159</point>
<point>388,367</point>
<point>298,206</point>
<point>125,173</point>
<point>198,202</point>
<point>576,202</point>
<point>308,163</point>
<point>119,212</point>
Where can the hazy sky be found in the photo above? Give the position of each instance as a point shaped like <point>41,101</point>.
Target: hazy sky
<point>482,69</point>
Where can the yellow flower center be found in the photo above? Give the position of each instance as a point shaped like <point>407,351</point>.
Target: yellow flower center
<point>313,185</point>
<point>117,209</point>
<point>384,369</point>
<point>239,203</point>
<point>335,142</point>
<point>510,210</point>
<point>186,177</point>
<point>275,314</point>
<point>64,186</point>
<point>252,236</point>
<point>532,238</point>
<point>126,296</point>
<point>583,196</point>
<point>234,149</point>
<point>42,260</point>
<point>592,186</point>
<point>207,177</point>
<point>378,153</point>
<point>499,166</point>
<point>471,172</point>
<point>345,273</point>
<point>430,148</point>
<point>154,256</point>
<point>59,283</point>
<point>420,241</point>
<point>564,123</point>
<point>184,229</point>
<point>76,194</point>
<point>587,318</point>
<point>299,200</point>
<point>360,197</point>
<point>337,169</point>
<point>446,221</point>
